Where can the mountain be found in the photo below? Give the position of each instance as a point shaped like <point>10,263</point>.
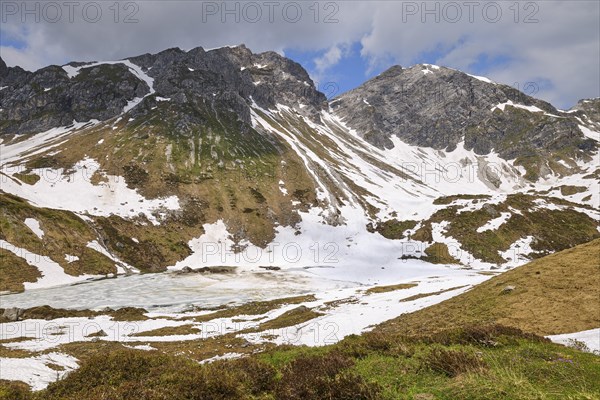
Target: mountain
<point>438,107</point>
<point>227,78</point>
<point>225,157</point>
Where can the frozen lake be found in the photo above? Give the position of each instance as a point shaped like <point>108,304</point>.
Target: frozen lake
<point>171,292</point>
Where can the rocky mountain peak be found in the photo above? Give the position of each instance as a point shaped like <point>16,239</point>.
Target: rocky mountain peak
<point>423,105</point>
<point>231,78</point>
<point>589,106</point>
<point>390,73</point>
<point>439,107</point>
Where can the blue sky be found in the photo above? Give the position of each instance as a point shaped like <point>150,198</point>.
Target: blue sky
<point>350,72</point>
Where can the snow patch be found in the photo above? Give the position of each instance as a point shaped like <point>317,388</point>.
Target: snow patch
<point>52,273</point>
<point>523,107</point>
<point>590,133</point>
<point>34,225</point>
<point>282,188</point>
<point>502,106</point>
<point>38,143</point>
<point>482,78</point>
<point>145,347</point>
<point>591,338</point>
<point>495,223</point>
<point>517,253</point>
<point>71,258</point>
<point>35,371</point>
<point>112,197</point>
<point>226,356</point>
<point>71,71</point>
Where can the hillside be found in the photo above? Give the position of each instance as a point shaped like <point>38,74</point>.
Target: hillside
<point>172,151</point>
<point>448,340</point>
<point>372,367</point>
<point>559,293</point>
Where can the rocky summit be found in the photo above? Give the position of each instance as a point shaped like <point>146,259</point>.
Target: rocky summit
<point>431,106</point>
<point>228,77</point>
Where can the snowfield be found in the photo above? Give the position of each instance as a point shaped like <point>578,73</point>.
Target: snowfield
<point>35,371</point>
<point>57,188</point>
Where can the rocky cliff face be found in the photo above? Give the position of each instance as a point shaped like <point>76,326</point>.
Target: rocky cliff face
<point>47,98</point>
<point>439,107</point>
<point>228,78</point>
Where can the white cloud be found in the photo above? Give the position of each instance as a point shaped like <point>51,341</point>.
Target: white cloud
<point>329,59</point>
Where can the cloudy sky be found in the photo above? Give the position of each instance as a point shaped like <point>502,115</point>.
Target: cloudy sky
<point>550,49</point>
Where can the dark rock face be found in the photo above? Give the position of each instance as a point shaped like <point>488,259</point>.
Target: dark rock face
<point>228,78</point>
<point>35,102</point>
<point>232,77</point>
<point>439,107</point>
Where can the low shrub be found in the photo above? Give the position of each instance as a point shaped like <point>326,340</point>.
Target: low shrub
<point>491,335</point>
<point>324,377</point>
<point>255,376</point>
<point>453,362</point>
<point>13,390</point>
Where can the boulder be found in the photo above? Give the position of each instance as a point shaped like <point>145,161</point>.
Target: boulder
<point>13,314</point>
<point>508,289</point>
